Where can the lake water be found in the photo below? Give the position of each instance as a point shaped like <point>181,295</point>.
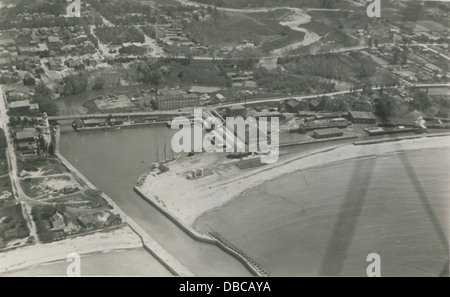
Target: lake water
<point>326,221</point>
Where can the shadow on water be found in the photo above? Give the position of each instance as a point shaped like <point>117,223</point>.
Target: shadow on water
<point>347,218</point>
<point>427,206</point>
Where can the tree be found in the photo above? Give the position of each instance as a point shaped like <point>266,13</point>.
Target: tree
<point>155,77</point>
<point>43,96</point>
<point>396,56</point>
<point>99,83</point>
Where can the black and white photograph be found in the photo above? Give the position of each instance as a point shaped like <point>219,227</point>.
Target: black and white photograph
<point>253,139</point>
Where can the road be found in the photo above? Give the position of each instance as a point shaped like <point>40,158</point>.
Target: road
<point>323,94</point>
<point>19,195</point>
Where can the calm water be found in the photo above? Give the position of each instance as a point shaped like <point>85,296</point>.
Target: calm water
<point>326,221</point>
<point>113,162</point>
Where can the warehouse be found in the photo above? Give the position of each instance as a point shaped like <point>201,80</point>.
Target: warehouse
<point>362,117</point>
<point>327,133</point>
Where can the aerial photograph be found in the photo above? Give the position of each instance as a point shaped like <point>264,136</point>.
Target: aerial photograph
<point>224,138</point>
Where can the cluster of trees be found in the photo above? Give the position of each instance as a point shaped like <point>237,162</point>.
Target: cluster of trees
<point>400,56</point>
<point>44,96</point>
<point>272,3</point>
<point>133,50</point>
<point>329,66</point>
<point>2,140</point>
<point>153,74</point>
<point>75,83</point>
<point>99,83</point>
<point>119,35</point>
<point>116,11</point>
<point>53,7</point>
<point>421,101</point>
<point>57,21</point>
<point>290,83</point>
<point>13,225</point>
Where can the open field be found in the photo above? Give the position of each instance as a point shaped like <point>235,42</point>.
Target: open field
<point>39,166</point>
<point>35,187</point>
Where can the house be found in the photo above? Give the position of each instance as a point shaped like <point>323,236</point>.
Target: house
<point>57,221</point>
<point>26,136</point>
<point>20,106</point>
<point>236,110</point>
<point>27,147</point>
<point>293,106</point>
<point>315,105</point>
<point>74,63</point>
<point>327,133</point>
<point>362,117</point>
<point>29,80</point>
<point>86,222</point>
<point>4,62</point>
<point>43,50</point>
<point>54,43</point>
<point>221,98</point>
<point>54,64</point>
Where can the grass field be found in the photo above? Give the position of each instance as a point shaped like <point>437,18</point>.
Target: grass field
<point>43,186</point>
<point>42,166</point>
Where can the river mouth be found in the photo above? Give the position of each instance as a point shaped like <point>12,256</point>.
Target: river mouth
<point>113,162</point>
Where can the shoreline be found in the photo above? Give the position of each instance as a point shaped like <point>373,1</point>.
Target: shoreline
<point>333,155</point>
<point>40,254</point>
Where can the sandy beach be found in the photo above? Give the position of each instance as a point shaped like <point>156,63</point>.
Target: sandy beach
<point>187,200</point>
<point>119,239</point>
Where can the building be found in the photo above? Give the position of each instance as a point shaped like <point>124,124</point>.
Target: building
<point>327,133</point>
<point>27,147</point>
<point>54,43</point>
<point>5,62</point>
<point>176,102</point>
<point>362,117</point>
<point>57,221</point>
<point>221,98</point>
<point>43,50</point>
<point>315,105</point>
<point>293,106</point>
<point>26,136</point>
<point>29,80</point>
<point>21,106</point>
<point>236,110</point>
